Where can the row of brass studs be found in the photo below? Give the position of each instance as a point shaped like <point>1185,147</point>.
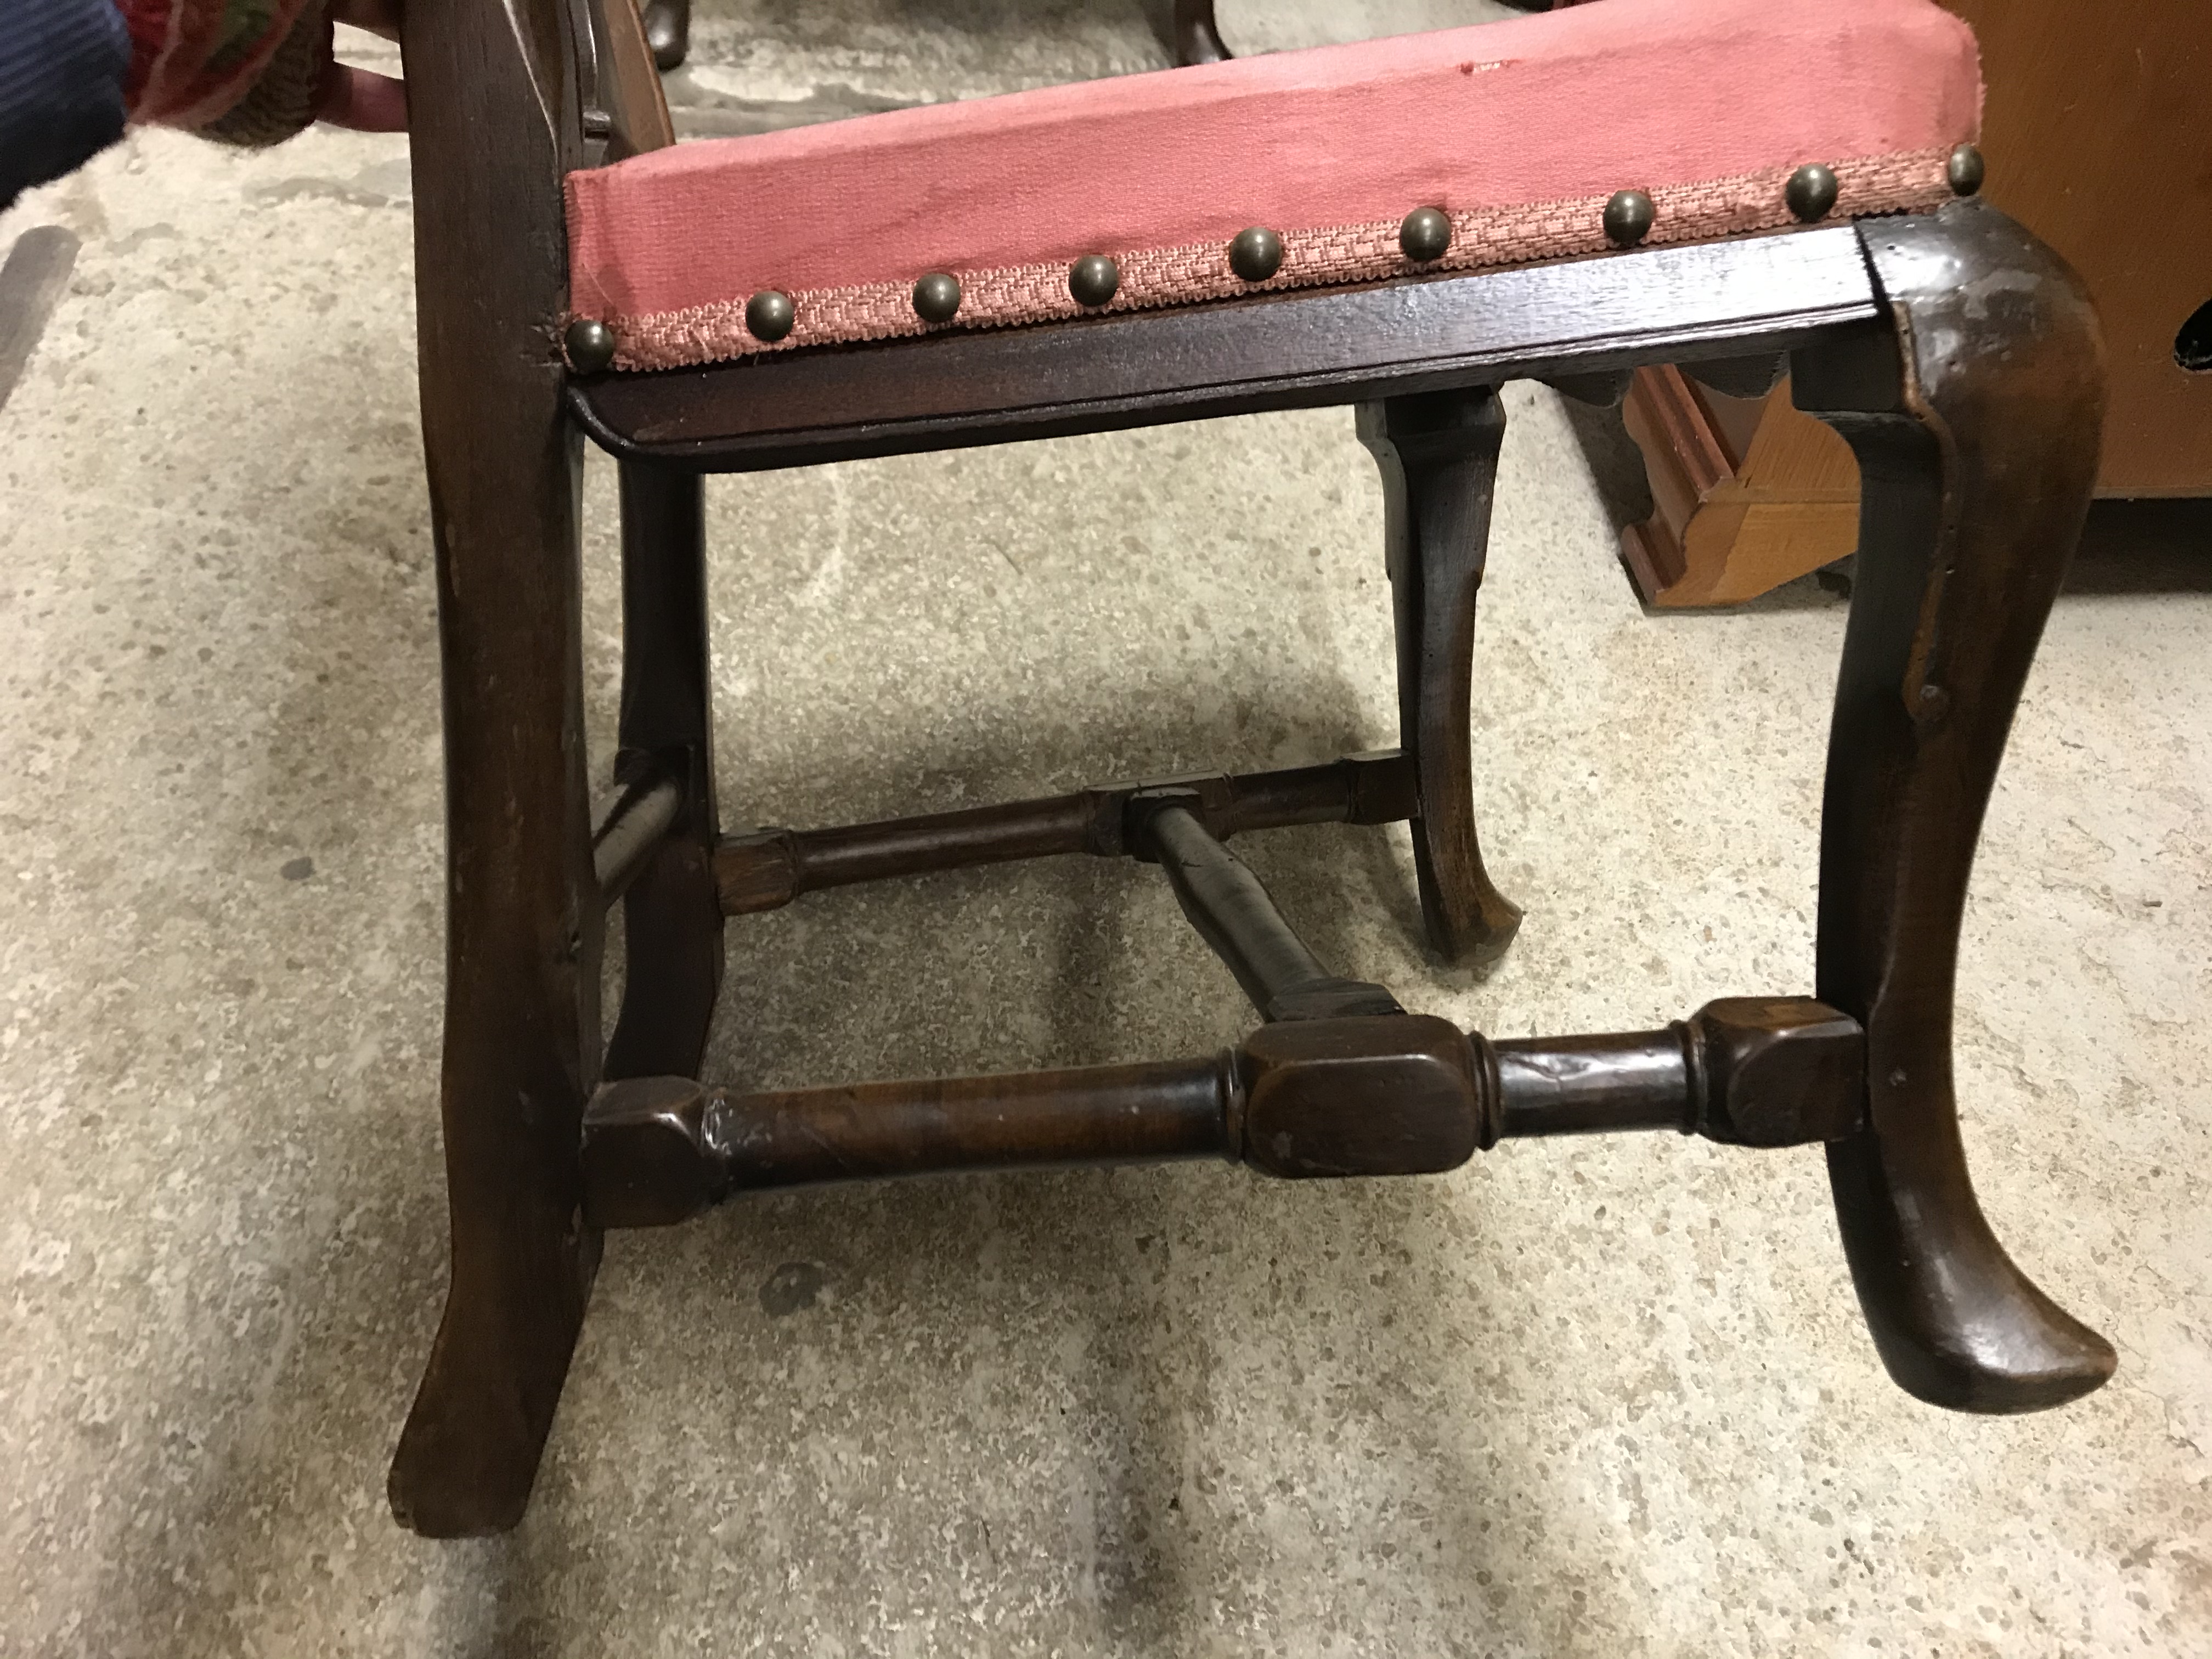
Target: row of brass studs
<point>1256,254</point>
<point>1810,194</point>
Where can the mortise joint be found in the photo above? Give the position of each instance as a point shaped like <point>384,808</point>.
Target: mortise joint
<point>648,1156</point>
<point>1777,1071</point>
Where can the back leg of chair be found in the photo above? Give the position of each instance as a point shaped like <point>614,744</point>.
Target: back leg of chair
<point>668,31</point>
<point>672,916</point>
<point>1438,455</point>
<point>1194,39</point>
<point>522,1017</point>
<point>523,916</point>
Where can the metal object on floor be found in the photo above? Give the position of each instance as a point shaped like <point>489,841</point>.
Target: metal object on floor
<point>33,279</point>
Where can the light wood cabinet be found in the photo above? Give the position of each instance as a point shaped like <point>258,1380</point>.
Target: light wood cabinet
<point>2097,128</point>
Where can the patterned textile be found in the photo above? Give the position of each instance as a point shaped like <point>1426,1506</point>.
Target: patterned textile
<point>243,70</point>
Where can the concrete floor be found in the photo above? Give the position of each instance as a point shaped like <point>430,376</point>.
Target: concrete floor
<point>1577,1398</point>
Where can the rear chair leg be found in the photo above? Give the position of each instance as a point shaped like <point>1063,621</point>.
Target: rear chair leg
<point>522,1017</point>
<point>1195,38</point>
<point>1976,421</point>
<point>668,32</point>
<point>673,917</point>
<point>1438,455</point>
<point>523,929</point>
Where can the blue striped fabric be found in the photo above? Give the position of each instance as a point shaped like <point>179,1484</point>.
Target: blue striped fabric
<point>62,65</point>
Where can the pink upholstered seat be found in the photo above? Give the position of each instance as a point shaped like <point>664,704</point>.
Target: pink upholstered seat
<point>1519,130</point>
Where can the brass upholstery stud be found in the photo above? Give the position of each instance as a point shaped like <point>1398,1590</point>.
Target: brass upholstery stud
<point>936,297</point>
<point>1093,280</point>
<point>591,345</point>
<point>1426,235</point>
<point>1628,216</point>
<point>1256,254</point>
<point>1965,170</point>
<point>1811,191</point>
<point>769,315</point>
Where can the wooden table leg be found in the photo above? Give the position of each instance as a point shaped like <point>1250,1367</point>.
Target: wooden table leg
<point>1438,455</point>
<point>522,1018</point>
<point>1975,424</point>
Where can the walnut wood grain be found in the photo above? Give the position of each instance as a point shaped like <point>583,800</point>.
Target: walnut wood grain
<point>629,826</point>
<point>1237,918</point>
<point>1742,1071</point>
<point>672,913</point>
<point>627,81</point>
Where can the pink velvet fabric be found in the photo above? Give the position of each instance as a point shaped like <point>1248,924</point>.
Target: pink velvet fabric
<point>1669,96</point>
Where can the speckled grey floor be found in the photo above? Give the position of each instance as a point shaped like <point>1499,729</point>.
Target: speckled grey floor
<point>1596,1399</point>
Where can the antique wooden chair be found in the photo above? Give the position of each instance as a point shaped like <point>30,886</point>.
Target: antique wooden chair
<point>1401,225</point>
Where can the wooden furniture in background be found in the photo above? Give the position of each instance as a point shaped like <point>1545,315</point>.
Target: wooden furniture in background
<point>1746,493</point>
<point>2098,139</point>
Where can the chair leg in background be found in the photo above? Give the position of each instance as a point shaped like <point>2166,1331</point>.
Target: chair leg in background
<point>1438,455</point>
<point>671,915</point>
<point>1192,35</point>
<point>668,32</point>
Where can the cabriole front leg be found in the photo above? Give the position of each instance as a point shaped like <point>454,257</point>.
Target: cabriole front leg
<point>1976,421</point>
<point>1437,452</point>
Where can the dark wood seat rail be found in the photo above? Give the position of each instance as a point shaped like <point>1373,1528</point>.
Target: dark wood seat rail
<point>1760,296</point>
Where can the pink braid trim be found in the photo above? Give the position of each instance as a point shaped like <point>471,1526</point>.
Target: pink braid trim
<point>1333,255</point>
